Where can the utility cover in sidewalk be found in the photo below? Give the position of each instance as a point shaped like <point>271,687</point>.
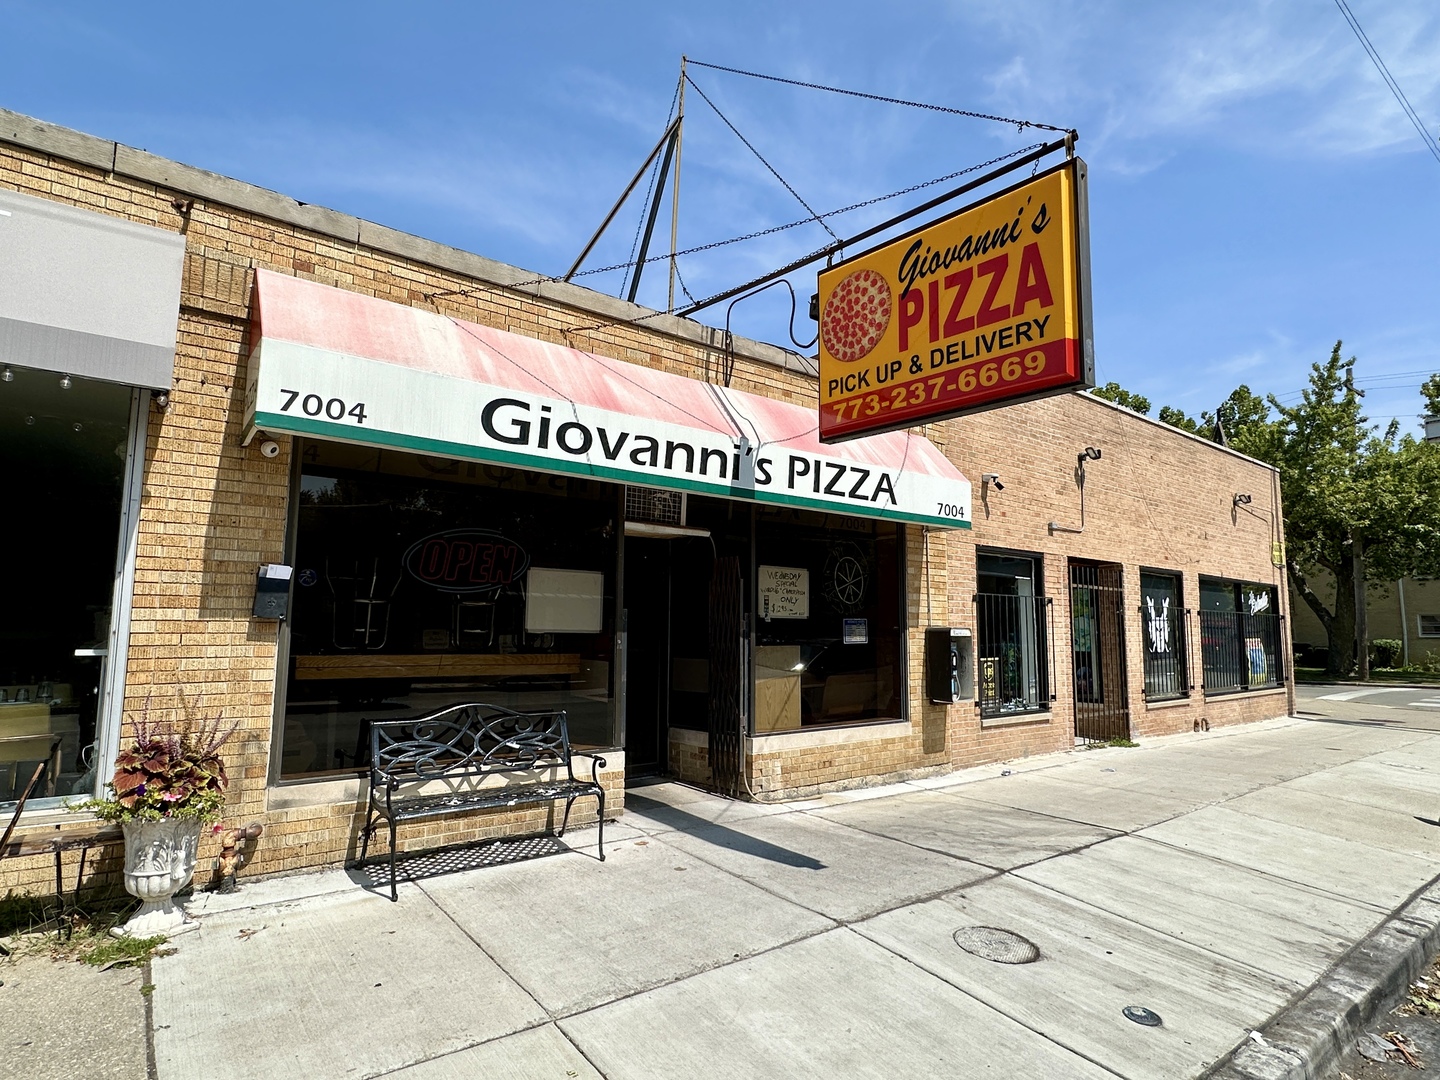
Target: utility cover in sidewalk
<point>1141,1015</point>
<point>1001,946</point>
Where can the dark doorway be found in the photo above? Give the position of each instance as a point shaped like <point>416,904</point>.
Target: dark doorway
<point>647,661</point>
<point>1097,642</point>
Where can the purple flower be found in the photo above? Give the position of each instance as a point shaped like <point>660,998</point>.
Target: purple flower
<point>140,790</point>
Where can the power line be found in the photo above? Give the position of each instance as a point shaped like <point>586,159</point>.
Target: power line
<point>1019,124</point>
<point>1430,142</point>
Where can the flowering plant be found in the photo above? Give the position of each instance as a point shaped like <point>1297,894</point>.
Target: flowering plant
<point>172,771</point>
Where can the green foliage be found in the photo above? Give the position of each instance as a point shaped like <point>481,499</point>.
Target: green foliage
<point>1121,742</point>
<point>1176,418</point>
<point>1385,652</point>
<point>102,949</point>
<point>1430,391</point>
<point>167,773</point>
<point>1113,391</point>
<point>1429,664</point>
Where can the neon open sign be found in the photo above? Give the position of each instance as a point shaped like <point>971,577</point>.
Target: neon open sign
<point>466,561</point>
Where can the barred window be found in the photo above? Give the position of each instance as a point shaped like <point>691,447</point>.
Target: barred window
<point>1162,616</point>
<point>1014,676</point>
<point>1239,636</point>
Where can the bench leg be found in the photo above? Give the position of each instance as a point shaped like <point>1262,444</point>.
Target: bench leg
<point>600,821</point>
<point>365,837</point>
<point>394,895</point>
<point>566,819</point>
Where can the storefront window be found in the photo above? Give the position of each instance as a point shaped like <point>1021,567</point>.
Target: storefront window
<point>1010,612</point>
<point>828,620</point>
<point>63,447</point>
<point>1163,619</point>
<point>1239,636</point>
<point>425,582</point>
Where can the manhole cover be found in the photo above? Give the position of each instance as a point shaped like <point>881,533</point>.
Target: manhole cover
<point>1001,946</point>
<point>1141,1015</point>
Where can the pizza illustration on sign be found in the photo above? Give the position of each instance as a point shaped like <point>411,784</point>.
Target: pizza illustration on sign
<point>856,315</point>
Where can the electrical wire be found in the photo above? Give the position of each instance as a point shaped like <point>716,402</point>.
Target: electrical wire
<point>1020,125</point>
<point>1430,142</point>
<point>773,171</point>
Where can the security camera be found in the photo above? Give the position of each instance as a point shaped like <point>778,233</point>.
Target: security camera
<point>270,448</point>
<point>993,479</point>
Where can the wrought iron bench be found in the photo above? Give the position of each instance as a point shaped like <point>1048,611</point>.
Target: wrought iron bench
<point>460,747</point>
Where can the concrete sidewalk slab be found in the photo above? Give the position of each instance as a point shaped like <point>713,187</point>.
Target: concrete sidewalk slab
<point>541,1053</point>
<point>300,995</point>
<point>1120,809</point>
<point>1346,868</point>
<point>649,914</point>
<point>993,836</point>
<point>1290,931</point>
<point>661,807</point>
<point>60,1020</point>
<point>1370,783</point>
<point>840,872</point>
<point>1093,964</point>
<point>1382,829</point>
<point>833,1006</point>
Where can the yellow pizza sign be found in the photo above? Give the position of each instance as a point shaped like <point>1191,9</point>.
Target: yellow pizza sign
<point>987,306</point>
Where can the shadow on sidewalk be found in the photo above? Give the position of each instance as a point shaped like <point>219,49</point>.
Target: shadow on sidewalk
<point>374,874</point>
<point>719,835</point>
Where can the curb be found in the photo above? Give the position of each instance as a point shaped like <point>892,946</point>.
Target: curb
<point>1308,1039</point>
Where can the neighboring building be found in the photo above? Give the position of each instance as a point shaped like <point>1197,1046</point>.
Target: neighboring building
<point>1406,611</point>
<point>486,486</point>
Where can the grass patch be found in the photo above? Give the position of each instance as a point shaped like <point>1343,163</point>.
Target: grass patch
<point>1120,742</point>
<point>1377,675</point>
<point>102,950</point>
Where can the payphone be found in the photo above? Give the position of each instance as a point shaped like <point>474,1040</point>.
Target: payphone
<point>949,665</point>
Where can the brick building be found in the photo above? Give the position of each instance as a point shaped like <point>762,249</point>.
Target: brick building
<point>319,415</point>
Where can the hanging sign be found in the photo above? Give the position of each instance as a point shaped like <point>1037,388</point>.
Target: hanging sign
<point>983,308</point>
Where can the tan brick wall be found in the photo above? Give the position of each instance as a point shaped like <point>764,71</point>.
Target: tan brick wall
<point>212,511</point>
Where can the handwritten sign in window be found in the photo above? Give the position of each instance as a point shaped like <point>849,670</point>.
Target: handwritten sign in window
<point>784,592</point>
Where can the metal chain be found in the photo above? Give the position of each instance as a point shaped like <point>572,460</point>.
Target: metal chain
<point>813,215</point>
<point>1019,124</point>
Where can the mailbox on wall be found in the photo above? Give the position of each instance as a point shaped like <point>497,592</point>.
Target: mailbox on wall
<point>272,591</point>
<point>949,665</point>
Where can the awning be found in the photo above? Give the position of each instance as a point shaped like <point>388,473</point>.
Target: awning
<point>337,365</point>
<point>88,294</point>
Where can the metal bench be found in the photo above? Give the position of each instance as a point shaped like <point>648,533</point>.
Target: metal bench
<point>460,747</point>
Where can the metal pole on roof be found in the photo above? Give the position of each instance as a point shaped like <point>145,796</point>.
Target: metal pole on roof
<point>675,191</point>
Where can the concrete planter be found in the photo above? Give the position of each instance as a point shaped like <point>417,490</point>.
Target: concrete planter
<point>159,861</point>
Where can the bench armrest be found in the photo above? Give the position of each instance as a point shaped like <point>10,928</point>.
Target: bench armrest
<point>597,762</point>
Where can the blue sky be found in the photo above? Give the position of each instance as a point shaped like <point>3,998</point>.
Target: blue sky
<point>1256,192</point>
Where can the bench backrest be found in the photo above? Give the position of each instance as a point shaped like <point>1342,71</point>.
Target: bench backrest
<point>468,740</point>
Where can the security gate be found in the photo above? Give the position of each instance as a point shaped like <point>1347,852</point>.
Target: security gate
<point>1097,642</point>
<point>728,654</point>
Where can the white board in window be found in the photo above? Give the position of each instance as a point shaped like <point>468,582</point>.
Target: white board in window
<point>784,592</point>
<point>564,601</point>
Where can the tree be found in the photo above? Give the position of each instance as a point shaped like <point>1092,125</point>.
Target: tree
<point>1176,418</point>
<point>1430,391</point>
<point>1113,391</point>
<point>1357,502</point>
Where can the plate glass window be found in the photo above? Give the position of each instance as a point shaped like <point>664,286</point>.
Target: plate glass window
<point>424,582</point>
<point>1162,617</point>
<point>63,453</point>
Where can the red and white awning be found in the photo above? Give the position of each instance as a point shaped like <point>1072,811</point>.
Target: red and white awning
<point>338,365</point>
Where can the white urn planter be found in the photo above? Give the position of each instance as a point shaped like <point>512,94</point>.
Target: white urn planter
<point>159,862</point>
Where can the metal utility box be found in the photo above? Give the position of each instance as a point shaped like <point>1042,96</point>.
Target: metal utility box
<point>949,665</point>
<point>272,591</point>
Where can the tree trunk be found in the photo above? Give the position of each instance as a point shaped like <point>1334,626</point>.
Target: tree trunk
<point>1341,630</point>
<point>1362,613</point>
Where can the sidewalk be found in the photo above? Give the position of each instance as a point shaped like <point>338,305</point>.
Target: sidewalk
<point>1210,878</point>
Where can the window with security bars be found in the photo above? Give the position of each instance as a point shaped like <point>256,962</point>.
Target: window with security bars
<point>1162,617</point>
<point>1012,639</point>
<point>1240,635</point>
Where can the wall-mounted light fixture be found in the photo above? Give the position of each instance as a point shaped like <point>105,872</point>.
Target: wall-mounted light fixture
<point>1240,499</point>
<point>161,399</point>
<point>1090,453</point>
<point>991,479</point>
